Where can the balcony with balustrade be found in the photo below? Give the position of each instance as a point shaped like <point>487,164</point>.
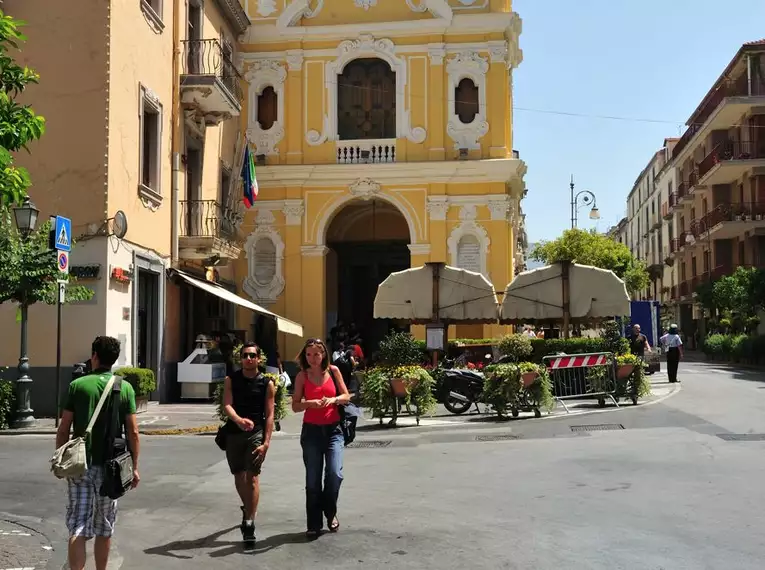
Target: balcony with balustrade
<point>209,229</point>
<point>730,160</point>
<point>367,151</point>
<point>210,82</point>
<point>730,220</point>
<point>723,106</point>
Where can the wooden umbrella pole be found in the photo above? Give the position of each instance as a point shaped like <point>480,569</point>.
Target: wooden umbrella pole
<point>436,301</point>
<point>566,284</point>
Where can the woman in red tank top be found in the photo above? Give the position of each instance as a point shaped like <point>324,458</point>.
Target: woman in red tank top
<point>319,390</point>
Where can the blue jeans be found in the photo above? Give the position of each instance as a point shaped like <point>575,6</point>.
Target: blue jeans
<point>322,444</point>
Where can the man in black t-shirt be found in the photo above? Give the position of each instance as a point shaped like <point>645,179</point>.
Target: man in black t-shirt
<point>639,342</point>
<point>248,400</point>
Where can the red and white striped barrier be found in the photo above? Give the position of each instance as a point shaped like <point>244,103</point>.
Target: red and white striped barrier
<point>577,361</point>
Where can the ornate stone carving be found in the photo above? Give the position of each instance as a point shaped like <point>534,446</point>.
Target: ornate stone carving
<point>365,188</point>
<point>467,136</point>
<point>437,207</point>
<point>437,52</point>
<point>439,8</point>
<point>498,51</point>
<point>265,141</point>
<point>264,218</point>
<point>470,65</point>
<point>265,253</point>
<point>296,10</point>
<point>366,4</point>
<point>295,59</point>
<point>293,211</point>
<point>468,213</point>
<point>266,7</point>
<point>367,42</point>
<point>467,62</point>
<point>469,228</point>
<point>515,53</point>
<point>499,208</point>
<point>261,74</point>
<point>266,71</point>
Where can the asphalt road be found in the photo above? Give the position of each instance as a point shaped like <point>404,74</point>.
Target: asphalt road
<point>665,492</point>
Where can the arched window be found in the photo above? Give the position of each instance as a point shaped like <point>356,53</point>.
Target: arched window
<point>366,100</point>
<point>466,100</point>
<point>267,108</point>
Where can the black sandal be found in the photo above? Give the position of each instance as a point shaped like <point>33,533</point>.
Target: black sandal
<point>334,526</point>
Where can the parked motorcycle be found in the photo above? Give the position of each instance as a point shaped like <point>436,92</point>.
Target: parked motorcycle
<point>461,389</point>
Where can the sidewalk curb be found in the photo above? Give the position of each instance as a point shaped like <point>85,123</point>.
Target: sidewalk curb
<point>212,430</point>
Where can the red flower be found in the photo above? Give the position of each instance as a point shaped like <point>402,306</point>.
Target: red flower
<point>470,365</point>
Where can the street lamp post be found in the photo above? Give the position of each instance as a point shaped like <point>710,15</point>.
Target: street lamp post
<point>587,198</point>
<point>26,220</point>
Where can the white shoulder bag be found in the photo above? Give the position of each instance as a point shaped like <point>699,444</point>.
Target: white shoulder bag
<point>70,460</point>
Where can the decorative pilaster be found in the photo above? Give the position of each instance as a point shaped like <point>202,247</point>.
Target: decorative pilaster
<point>294,98</point>
<point>436,100</point>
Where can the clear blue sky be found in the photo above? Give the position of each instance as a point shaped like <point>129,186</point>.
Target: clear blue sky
<point>644,59</point>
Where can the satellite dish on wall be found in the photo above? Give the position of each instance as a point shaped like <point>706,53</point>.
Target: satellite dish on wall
<point>120,224</point>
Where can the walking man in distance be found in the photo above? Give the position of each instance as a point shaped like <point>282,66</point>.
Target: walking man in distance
<point>248,401</point>
<point>89,514</point>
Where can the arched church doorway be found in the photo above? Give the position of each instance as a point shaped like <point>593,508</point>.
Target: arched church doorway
<point>367,241</point>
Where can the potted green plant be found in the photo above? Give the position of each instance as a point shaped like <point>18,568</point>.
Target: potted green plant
<point>529,373</point>
<point>502,388</point>
<point>143,382</point>
<point>636,385</point>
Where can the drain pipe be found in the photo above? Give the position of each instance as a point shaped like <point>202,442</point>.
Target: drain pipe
<point>175,137</point>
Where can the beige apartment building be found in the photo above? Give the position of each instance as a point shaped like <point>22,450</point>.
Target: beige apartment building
<point>143,102</point>
<point>698,209</point>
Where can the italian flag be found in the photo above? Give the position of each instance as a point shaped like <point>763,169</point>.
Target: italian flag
<point>249,182</point>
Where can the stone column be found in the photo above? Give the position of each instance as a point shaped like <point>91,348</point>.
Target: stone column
<point>314,291</point>
<point>293,107</point>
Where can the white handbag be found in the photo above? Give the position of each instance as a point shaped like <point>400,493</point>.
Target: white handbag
<point>70,460</point>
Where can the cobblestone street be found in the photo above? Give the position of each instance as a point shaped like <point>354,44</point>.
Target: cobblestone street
<point>22,548</point>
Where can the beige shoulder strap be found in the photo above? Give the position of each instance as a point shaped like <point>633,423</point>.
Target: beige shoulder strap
<point>104,396</point>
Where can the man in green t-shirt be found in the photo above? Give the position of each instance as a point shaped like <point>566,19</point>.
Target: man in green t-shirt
<point>88,514</point>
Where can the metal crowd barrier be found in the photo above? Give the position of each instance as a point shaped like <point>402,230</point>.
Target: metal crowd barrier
<point>578,376</point>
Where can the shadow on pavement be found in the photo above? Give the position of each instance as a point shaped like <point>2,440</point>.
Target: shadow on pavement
<point>222,548</point>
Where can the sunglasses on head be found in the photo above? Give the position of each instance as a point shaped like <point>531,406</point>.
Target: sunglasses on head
<point>250,355</point>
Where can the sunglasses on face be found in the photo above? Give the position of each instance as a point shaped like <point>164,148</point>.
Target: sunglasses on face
<point>249,356</point>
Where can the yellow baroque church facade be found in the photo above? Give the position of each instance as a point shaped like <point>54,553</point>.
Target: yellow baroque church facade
<point>383,136</point>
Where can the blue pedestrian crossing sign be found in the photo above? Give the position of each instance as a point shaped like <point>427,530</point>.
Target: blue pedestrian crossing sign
<point>63,234</point>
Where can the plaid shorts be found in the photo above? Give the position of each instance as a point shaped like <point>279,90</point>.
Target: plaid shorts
<point>89,514</point>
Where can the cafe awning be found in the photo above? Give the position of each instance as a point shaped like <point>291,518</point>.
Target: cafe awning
<point>283,325</point>
<point>463,296</point>
<point>537,295</point>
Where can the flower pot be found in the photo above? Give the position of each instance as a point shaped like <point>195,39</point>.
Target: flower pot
<point>141,403</point>
<point>624,370</point>
<point>401,387</point>
<point>528,378</point>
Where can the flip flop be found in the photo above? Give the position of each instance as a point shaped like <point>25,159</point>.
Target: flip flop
<point>334,526</point>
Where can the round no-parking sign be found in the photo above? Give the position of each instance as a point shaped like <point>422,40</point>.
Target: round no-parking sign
<point>62,261</point>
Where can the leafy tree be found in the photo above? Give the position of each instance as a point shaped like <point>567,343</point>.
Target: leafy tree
<point>28,271</point>
<point>18,123</point>
<point>598,250</point>
<point>742,292</point>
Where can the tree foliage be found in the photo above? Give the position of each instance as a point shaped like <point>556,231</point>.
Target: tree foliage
<point>598,250</point>
<point>28,271</point>
<point>742,292</point>
<point>19,124</point>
